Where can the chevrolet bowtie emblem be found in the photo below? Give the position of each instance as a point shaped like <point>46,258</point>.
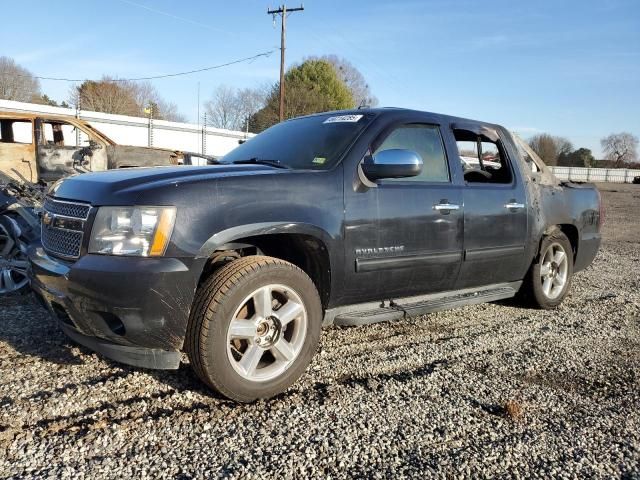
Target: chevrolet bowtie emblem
<point>47,218</point>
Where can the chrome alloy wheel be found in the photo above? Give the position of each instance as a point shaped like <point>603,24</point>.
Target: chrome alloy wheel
<point>13,264</point>
<point>554,270</point>
<point>267,333</point>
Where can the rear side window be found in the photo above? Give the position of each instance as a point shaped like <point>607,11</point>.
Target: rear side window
<point>426,141</point>
<point>16,131</point>
<point>483,160</point>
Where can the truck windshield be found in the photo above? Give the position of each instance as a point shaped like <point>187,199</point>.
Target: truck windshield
<point>310,143</point>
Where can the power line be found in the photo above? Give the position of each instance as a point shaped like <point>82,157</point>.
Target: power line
<point>155,77</point>
<point>176,17</point>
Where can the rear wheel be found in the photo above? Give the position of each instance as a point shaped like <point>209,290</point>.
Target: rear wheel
<point>549,278</point>
<point>254,328</point>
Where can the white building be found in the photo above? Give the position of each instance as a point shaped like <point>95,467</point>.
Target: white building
<point>145,132</point>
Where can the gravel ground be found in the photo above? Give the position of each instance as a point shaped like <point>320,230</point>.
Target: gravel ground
<point>482,391</point>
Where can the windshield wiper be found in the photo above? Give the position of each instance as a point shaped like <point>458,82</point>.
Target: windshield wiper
<point>261,161</point>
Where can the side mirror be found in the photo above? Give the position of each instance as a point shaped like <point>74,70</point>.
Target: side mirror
<point>393,163</point>
<point>93,145</point>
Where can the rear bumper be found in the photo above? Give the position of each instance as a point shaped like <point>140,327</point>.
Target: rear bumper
<point>587,251</point>
<point>132,310</point>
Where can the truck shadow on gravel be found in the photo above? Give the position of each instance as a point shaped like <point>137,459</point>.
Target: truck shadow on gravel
<point>28,328</point>
<point>171,402</point>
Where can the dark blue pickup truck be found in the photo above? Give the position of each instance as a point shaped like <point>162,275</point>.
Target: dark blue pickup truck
<point>340,218</point>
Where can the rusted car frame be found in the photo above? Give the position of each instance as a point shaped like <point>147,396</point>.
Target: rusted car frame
<point>41,148</point>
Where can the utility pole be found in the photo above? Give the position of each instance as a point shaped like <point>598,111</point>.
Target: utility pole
<point>282,11</point>
<point>78,109</point>
<point>204,134</point>
<point>149,111</point>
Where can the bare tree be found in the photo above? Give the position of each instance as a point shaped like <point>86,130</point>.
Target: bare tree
<point>249,101</point>
<point>549,147</point>
<point>222,108</point>
<point>620,148</point>
<point>230,108</point>
<point>353,78</point>
<point>106,95</point>
<point>169,111</point>
<point>17,83</point>
<point>146,94</point>
<point>123,97</point>
<point>564,146</point>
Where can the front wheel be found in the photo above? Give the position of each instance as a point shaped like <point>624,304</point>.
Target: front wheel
<point>254,328</point>
<point>549,278</point>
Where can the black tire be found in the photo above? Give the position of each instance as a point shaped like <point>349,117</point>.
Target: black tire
<point>12,251</point>
<point>532,290</point>
<point>216,302</point>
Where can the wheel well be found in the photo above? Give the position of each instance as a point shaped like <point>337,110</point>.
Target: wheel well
<point>306,252</point>
<point>571,233</point>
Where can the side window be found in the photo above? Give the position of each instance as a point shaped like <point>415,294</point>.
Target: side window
<point>59,134</point>
<point>16,131</point>
<point>483,160</point>
<point>426,141</point>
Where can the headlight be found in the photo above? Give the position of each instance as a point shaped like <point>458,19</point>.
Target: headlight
<point>136,231</point>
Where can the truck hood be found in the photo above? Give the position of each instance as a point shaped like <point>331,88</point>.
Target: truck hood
<point>124,186</point>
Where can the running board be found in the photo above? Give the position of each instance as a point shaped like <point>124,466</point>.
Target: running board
<point>374,312</point>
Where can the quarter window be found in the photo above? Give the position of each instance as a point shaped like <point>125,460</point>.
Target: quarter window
<point>425,140</point>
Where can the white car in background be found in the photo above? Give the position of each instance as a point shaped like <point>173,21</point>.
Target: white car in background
<point>469,163</point>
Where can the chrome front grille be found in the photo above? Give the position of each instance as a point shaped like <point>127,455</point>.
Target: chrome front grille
<point>63,226</point>
<point>67,209</point>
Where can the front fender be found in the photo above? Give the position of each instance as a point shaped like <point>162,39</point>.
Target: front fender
<point>233,234</point>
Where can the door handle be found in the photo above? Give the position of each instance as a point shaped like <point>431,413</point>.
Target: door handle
<point>513,205</point>
<point>446,207</point>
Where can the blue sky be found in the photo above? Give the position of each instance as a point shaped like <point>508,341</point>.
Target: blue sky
<point>567,67</point>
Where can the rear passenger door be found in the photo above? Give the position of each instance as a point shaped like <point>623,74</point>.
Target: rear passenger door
<point>495,210</point>
<point>403,236</point>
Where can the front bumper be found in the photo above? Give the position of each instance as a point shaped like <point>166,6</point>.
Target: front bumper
<point>132,310</point>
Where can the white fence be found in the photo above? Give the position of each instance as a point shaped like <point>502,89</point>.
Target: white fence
<point>583,174</point>
<point>144,132</point>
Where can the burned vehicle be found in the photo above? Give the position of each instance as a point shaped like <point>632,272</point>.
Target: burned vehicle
<point>342,218</point>
<point>40,148</point>
<point>37,150</point>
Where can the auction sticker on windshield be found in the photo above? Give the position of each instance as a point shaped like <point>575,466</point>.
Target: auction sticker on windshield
<point>343,118</point>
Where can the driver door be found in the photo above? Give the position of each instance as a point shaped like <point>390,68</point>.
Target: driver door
<point>63,149</point>
<point>403,236</point>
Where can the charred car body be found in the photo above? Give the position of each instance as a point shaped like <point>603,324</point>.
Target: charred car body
<point>44,148</point>
<point>340,218</point>
<point>37,150</point>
